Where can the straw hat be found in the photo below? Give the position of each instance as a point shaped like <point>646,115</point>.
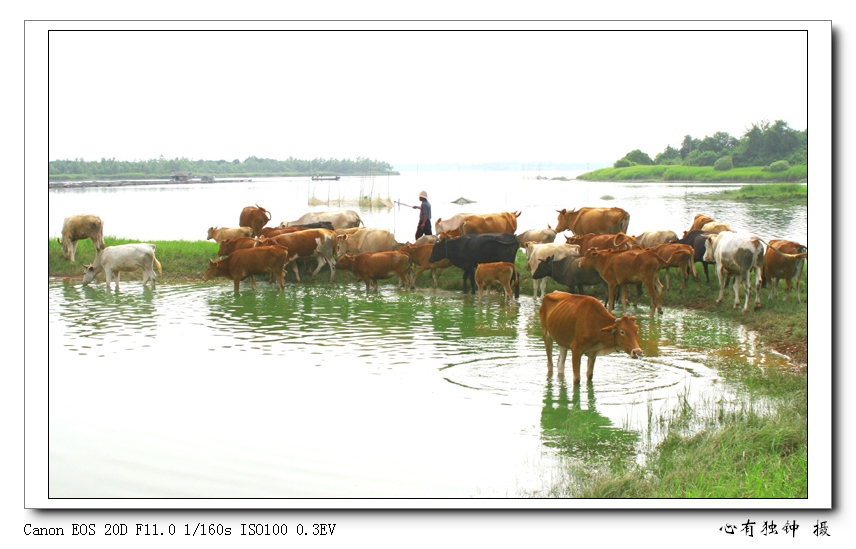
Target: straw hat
<point>424,195</point>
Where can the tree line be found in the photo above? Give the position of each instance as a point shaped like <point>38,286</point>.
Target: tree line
<point>163,167</point>
<point>763,144</point>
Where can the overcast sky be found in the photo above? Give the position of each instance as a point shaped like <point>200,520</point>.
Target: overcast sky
<point>414,97</point>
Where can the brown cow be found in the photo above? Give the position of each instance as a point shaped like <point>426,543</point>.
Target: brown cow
<point>254,217</point>
<point>80,227</point>
<point>621,267</point>
<point>789,267</point>
<point>230,245</point>
<point>252,261</point>
<point>593,220</point>
<point>502,272</point>
<point>218,235</point>
<point>270,232</point>
<point>317,243</point>
<point>698,222</point>
<point>503,222</point>
<point>680,256</point>
<point>582,324</point>
<point>372,266</point>
<point>419,258</point>
<point>618,241</point>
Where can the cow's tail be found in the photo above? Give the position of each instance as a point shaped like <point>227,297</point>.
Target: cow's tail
<point>158,265</point>
<point>360,220</point>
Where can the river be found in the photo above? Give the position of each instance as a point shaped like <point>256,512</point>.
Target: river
<point>188,391</point>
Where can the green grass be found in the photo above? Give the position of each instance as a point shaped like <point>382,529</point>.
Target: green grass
<point>705,174</point>
<point>777,193</point>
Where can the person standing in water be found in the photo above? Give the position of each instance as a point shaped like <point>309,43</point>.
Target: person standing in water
<point>424,226</point>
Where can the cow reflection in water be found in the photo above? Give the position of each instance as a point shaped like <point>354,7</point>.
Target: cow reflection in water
<point>573,425</point>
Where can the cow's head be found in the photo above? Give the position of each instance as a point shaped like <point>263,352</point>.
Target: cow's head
<point>88,274</point>
<point>544,268</point>
<point>625,334</point>
<point>710,247</point>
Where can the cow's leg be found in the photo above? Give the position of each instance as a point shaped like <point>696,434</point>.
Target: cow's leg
<point>723,280</point>
<point>576,359</point>
<point>563,355</point>
<point>535,285</point>
<point>655,298</point>
<point>253,283</point>
<point>590,366</point>
<point>611,296</point>
<point>758,274</point>
<point>668,283</point>
<point>294,269</point>
<point>73,248</point>
<point>548,346</point>
<point>506,285</point>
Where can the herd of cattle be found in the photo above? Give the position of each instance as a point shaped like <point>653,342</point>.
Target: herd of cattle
<point>485,246</point>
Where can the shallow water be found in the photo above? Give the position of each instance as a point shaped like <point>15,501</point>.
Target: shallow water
<point>188,390</point>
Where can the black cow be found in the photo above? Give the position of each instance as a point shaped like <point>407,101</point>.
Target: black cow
<point>696,239</point>
<point>467,251</point>
<point>568,271</point>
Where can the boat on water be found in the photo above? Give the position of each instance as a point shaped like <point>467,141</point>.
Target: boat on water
<point>325,178</point>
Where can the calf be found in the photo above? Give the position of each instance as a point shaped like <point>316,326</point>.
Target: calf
<point>125,257</point>
<point>583,325</point>
<point>788,265</point>
<point>373,266</point>
<point>736,255</point>
<point>80,227</point>
<point>502,272</point>
<point>220,234</point>
<point>621,267</point>
<point>248,262</point>
<point>419,256</point>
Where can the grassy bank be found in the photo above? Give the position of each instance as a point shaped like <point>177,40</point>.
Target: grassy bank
<point>756,450</point>
<point>702,174</point>
<point>785,194</point>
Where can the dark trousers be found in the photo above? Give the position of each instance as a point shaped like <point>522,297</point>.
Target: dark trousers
<point>423,229</point>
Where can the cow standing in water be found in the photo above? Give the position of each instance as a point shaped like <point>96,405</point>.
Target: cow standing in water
<point>126,257</point>
<point>81,227</point>
<point>582,324</point>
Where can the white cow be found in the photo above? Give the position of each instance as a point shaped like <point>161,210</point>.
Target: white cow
<point>542,236</point>
<point>220,234</point>
<point>366,240</point>
<point>442,225</point>
<point>341,219</point>
<point>736,254</point>
<point>536,252</point>
<point>80,227</point>
<point>126,257</point>
<point>649,239</point>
